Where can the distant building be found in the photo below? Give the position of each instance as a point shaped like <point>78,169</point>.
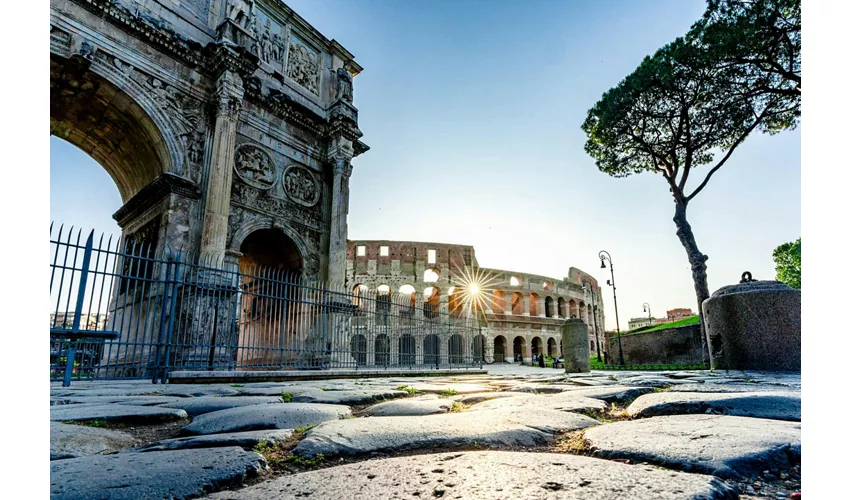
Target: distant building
<point>87,321</point>
<point>679,313</point>
<point>641,322</point>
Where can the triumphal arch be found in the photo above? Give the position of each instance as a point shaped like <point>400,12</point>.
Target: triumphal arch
<point>228,126</point>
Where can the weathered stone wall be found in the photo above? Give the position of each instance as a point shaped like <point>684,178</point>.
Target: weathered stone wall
<point>681,345</point>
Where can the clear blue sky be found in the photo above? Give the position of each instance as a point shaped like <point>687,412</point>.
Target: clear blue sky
<point>473,112</point>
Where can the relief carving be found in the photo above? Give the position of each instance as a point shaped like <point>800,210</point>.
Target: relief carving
<point>255,167</point>
<point>277,48</point>
<point>300,186</point>
<point>265,45</point>
<point>240,11</point>
<point>303,67</point>
<point>262,201</point>
<point>344,89</point>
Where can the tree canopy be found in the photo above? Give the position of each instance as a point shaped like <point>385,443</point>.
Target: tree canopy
<point>788,259</point>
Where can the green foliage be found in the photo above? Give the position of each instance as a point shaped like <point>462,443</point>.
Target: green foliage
<point>692,320</point>
<point>788,261</point>
<point>304,429</point>
<point>407,389</point>
<point>286,397</point>
<point>306,462</point>
<point>95,423</point>
<point>236,385</point>
<point>448,392</point>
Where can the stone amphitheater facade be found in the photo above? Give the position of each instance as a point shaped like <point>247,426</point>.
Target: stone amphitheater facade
<point>521,314</point>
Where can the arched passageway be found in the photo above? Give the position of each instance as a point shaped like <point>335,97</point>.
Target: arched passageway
<point>550,307</point>
<point>272,309</point>
<point>431,307</point>
<point>431,350</point>
<point>406,349</point>
<point>456,349</point>
<point>562,307</point>
<point>478,348</point>
<point>536,346</point>
<point>550,347</point>
<point>358,349</point>
<point>519,349</point>
<point>382,349</point>
<point>573,309</point>
<point>499,348</point>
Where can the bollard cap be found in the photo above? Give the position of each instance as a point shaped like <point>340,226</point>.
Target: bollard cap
<point>749,285</point>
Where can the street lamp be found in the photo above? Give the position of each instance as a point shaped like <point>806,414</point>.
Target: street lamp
<point>585,284</point>
<point>603,256</point>
<point>647,310</point>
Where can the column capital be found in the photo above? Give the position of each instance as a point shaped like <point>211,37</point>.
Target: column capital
<point>229,94</point>
<point>225,56</point>
<point>342,166</point>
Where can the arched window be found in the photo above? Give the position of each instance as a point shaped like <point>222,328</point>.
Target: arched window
<point>562,307</point>
<point>517,306</point>
<point>547,285</point>
<point>550,307</point>
<point>455,302</point>
<point>406,289</point>
<point>359,294</point>
<point>534,305</point>
<point>498,302</point>
<point>516,281</point>
<point>431,276</point>
<point>432,302</point>
<point>382,304</point>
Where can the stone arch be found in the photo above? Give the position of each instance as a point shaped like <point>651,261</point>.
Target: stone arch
<point>550,347</point>
<point>114,120</point>
<point>517,304</point>
<point>260,223</point>
<point>499,348</point>
<point>536,346</point>
<point>562,307</point>
<point>582,311</point>
<point>573,309</point>
<point>498,302</point>
<point>534,305</point>
<point>549,307</point>
<point>456,353</point>
<point>520,353</point>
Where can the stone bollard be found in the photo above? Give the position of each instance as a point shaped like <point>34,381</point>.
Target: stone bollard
<point>576,350</point>
<point>754,325</point>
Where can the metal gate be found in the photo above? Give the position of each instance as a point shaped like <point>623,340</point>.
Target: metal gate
<point>121,310</point>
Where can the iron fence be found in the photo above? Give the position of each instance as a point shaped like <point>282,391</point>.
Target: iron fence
<point>122,310</point>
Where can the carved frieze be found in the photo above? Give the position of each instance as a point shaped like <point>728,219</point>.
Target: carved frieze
<point>240,12</point>
<point>303,65</point>
<point>263,202</point>
<point>300,186</point>
<point>255,167</point>
<point>344,89</point>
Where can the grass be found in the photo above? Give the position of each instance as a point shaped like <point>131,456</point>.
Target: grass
<point>574,442</point>
<point>447,392</point>
<point>610,414</point>
<point>236,385</point>
<point>458,407</point>
<point>693,320</point>
<point>286,397</point>
<point>92,423</point>
<point>278,454</point>
<point>408,389</point>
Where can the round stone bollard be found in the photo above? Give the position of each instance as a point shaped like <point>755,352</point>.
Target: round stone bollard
<point>576,350</point>
<point>754,325</point>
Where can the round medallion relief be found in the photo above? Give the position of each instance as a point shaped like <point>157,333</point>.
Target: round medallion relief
<point>255,167</point>
<point>300,185</point>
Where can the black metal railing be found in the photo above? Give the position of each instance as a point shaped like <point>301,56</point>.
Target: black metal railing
<point>122,310</point>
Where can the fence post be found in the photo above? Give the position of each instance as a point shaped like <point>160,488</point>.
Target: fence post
<point>78,311</point>
<point>162,321</point>
<point>172,312</point>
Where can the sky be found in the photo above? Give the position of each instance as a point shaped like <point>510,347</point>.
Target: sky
<point>473,112</point>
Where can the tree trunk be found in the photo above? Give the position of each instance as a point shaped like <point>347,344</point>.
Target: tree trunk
<point>697,261</point>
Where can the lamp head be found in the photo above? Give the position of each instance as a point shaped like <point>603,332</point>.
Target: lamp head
<point>603,263</point>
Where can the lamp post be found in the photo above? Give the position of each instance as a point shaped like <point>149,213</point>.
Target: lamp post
<point>603,256</point>
<point>648,311</point>
<point>585,284</point>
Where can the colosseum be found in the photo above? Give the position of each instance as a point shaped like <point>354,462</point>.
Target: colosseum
<point>517,315</point>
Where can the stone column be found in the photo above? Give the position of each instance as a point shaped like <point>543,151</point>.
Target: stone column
<point>339,219</point>
<point>228,96</point>
<point>526,304</point>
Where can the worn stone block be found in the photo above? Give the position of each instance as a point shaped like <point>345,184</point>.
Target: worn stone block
<point>576,351</point>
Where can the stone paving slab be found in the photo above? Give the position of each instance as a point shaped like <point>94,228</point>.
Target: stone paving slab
<point>116,413</point>
<point>197,390</point>
<point>479,397</point>
<point>771,404</point>
<point>459,388</point>
<point>246,440</point>
<point>266,416</point>
<point>731,387</point>
<point>612,394</point>
<point>131,400</point>
<point>564,401</point>
<point>208,404</point>
<point>724,446</point>
<point>347,397</point>
<point>489,475</point>
<point>424,405</point>
<point>161,474</point>
<point>71,441</point>
<point>494,429</point>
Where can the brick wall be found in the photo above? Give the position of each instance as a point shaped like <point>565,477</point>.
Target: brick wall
<point>680,345</point>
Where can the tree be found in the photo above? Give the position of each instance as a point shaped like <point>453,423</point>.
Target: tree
<point>695,101</point>
<point>787,257</point>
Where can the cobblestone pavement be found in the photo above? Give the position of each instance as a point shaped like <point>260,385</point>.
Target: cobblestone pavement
<point>517,432</point>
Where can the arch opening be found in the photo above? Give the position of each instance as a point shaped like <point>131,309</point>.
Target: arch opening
<point>519,349</point>
<point>499,348</point>
<point>456,349</point>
